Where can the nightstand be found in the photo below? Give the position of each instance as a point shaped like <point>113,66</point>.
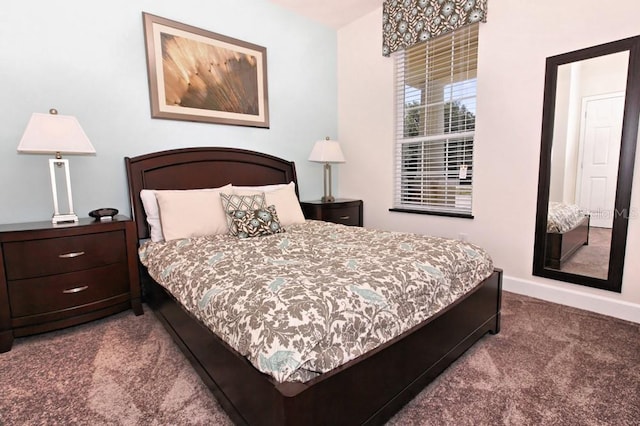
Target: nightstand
<point>343,211</point>
<point>56,276</point>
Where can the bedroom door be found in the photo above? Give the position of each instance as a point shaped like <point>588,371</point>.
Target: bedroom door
<point>600,151</point>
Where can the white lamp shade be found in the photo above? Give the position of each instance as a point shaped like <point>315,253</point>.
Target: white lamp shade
<point>326,151</point>
<point>52,133</point>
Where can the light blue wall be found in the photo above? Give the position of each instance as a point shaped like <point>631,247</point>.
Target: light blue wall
<point>87,59</point>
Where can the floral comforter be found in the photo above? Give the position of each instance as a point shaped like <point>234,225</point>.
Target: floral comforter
<point>563,217</point>
<point>303,302</point>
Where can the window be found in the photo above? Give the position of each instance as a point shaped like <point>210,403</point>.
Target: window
<point>436,106</point>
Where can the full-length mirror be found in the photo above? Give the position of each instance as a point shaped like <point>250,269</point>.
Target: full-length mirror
<point>589,133</point>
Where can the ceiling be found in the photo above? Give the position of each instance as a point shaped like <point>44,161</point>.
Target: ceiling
<point>333,13</point>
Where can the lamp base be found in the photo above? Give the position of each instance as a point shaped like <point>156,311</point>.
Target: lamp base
<point>64,218</point>
<point>328,199</point>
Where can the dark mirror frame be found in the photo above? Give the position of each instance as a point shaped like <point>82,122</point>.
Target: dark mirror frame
<point>625,166</point>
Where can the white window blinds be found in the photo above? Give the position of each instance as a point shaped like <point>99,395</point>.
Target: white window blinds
<point>436,113</point>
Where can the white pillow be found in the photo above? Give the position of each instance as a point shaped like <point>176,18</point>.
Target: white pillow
<point>186,214</point>
<point>262,188</point>
<point>150,205</point>
<point>285,200</point>
<point>152,211</point>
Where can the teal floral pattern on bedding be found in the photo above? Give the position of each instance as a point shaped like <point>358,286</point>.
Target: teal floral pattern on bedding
<point>301,303</point>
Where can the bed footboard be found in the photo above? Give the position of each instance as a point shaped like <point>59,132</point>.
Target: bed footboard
<point>560,247</point>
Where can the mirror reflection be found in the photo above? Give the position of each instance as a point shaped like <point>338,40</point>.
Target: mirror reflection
<point>589,110</point>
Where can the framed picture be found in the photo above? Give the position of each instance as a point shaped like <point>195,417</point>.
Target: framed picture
<point>197,75</point>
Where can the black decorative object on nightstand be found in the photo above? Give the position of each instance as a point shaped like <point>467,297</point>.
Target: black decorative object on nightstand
<point>343,211</point>
<point>55,276</point>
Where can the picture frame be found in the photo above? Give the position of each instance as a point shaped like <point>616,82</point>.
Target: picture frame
<point>199,75</point>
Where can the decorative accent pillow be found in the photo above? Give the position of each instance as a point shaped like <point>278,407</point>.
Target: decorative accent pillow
<point>284,198</point>
<point>234,202</point>
<point>152,211</point>
<point>191,213</point>
<point>255,223</point>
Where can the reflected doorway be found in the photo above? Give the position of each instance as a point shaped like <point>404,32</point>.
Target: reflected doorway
<point>599,151</point>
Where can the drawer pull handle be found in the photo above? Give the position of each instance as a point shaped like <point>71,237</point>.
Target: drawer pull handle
<point>71,255</point>
<point>75,290</point>
<point>345,217</point>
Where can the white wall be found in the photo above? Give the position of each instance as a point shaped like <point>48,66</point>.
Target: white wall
<point>514,43</point>
<point>87,59</point>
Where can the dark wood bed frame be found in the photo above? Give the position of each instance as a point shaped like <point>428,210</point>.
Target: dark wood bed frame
<point>561,246</point>
<point>367,390</point>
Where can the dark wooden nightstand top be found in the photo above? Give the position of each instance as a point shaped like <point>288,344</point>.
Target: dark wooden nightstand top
<point>46,224</point>
<point>337,202</point>
<point>343,211</point>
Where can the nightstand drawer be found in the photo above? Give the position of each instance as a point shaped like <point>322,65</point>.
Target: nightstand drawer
<point>52,277</point>
<point>343,215</point>
<point>38,258</point>
<point>47,294</point>
<point>342,211</point>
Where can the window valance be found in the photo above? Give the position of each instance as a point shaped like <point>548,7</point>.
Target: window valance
<point>407,22</point>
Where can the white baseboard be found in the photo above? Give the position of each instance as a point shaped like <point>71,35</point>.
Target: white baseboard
<point>577,299</point>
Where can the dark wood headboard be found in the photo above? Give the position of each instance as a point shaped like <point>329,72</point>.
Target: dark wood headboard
<point>195,168</point>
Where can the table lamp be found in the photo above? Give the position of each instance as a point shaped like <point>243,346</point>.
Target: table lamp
<point>327,152</point>
<point>56,134</point>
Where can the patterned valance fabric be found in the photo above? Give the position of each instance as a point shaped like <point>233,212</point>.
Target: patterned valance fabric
<point>407,22</point>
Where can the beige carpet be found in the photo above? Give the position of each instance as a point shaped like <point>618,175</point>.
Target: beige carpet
<point>124,370</point>
<point>591,260</point>
<point>550,365</point>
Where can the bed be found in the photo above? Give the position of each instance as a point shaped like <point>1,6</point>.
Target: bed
<point>567,231</point>
<point>366,390</point>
